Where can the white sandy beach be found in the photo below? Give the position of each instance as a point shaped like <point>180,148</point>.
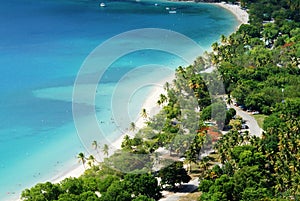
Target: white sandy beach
<point>241,15</point>
<point>151,107</point>
<point>151,102</point>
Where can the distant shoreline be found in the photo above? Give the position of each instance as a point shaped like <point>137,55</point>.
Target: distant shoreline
<point>241,15</point>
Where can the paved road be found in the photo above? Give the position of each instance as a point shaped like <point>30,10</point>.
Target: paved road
<point>186,188</point>
<point>250,121</point>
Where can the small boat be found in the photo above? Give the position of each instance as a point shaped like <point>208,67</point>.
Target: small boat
<point>167,8</point>
<point>172,12</point>
<point>102,4</point>
<point>156,4</point>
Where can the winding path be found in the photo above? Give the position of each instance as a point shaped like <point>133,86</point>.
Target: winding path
<point>250,121</point>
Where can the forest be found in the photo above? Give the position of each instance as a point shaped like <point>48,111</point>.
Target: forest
<point>258,68</point>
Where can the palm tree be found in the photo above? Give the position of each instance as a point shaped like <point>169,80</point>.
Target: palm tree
<point>162,99</point>
<point>105,149</point>
<point>214,59</point>
<point>81,158</point>
<point>294,4</point>
<point>167,86</point>
<point>144,113</point>
<point>215,46</point>
<point>189,160</point>
<point>204,164</point>
<point>91,160</point>
<point>95,146</point>
<point>132,126</point>
<point>159,102</point>
<point>246,137</point>
<point>126,143</point>
<point>223,39</point>
<point>181,71</point>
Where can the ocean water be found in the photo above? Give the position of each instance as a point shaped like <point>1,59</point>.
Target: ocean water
<point>43,44</point>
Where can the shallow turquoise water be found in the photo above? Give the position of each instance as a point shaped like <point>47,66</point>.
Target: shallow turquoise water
<point>42,46</point>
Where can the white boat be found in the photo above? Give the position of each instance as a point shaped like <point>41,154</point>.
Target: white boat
<point>156,4</point>
<point>172,11</point>
<point>102,5</point>
<point>167,8</point>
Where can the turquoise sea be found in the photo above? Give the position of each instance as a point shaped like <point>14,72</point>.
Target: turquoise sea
<point>42,47</point>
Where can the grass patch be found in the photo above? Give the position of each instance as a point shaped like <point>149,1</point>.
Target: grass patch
<point>190,197</point>
<point>260,119</point>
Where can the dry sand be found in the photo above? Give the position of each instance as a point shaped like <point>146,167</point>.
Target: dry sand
<point>151,103</point>
<point>241,15</point>
<point>151,107</point>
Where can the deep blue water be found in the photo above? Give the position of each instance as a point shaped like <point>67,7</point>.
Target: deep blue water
<point>42,46</point>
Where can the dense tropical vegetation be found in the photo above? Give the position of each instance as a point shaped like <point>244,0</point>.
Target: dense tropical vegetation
<point>96,184</point>
<point>255,168</point>
<point>258,68</point>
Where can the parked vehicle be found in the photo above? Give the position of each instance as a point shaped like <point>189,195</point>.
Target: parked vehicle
<point>245,126</point>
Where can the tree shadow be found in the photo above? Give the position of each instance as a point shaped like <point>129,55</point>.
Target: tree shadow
<point>186,188</point>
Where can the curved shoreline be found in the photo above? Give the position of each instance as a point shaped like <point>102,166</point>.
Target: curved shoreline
<point>241,15</point>
<point>152,109</point>
<point>150,104</point>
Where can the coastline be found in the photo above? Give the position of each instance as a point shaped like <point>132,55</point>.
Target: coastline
<point>150,104</point>
<point>152,109</point>
<point>241,15</point>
